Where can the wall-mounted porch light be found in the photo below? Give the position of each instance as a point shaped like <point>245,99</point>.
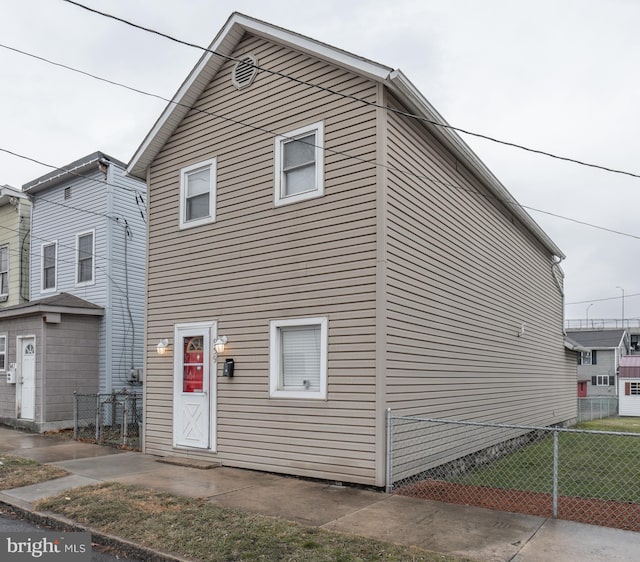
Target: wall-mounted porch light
<point>162,347</point>
<point>220,343</point>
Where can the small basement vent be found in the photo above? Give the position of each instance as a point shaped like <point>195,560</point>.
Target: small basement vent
<point>244,72</point>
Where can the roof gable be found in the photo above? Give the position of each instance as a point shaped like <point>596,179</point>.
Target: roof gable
<point>220,51</point>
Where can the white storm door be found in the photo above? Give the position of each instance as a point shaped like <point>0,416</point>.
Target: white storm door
<point>193,391</point>
<point>27,374</point>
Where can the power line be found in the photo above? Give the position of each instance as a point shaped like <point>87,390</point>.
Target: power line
<point>274,134</point>
<point>355,98</point>
<point>602,300</point>
<point>66,171</point>
<point>581,222</point>
<point>138,193</point>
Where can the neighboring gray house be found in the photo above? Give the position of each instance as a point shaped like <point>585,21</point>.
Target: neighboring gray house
<point>598,365</point>
<point>351,258</point>
<point>47,351</point>
<point>88,239</point>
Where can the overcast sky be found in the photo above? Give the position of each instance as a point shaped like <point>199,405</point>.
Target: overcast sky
<point>555,75</point>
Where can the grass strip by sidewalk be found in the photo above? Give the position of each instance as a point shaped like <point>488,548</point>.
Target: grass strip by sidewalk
<point>16,472</point>
<point>195,528</point>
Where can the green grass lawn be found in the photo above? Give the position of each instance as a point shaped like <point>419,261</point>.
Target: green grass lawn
<point>589,465</point>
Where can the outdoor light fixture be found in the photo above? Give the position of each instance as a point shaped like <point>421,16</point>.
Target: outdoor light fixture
<point>162,346</point>
<point>220,343</point>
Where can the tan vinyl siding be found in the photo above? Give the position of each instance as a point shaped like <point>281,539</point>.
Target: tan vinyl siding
<point>257,263</point>
<point>462,277</point>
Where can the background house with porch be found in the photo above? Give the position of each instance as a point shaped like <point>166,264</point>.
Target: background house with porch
<point>598,366</point>
<point>354,257</point>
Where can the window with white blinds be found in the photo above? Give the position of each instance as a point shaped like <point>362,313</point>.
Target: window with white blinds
<point>298,358</point>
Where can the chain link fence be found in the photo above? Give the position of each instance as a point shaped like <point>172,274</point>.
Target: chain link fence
<point>587,476</point>
<point>597,408</point>
<point>109,419</point>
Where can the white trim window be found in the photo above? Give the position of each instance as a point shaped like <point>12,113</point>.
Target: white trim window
<point>85,261</point>
<point>49,260</point>
<point>299,165</point>
<point>198,194</point>
<point>298,358</point>
<point>4,271</point>
<point>3,352</point>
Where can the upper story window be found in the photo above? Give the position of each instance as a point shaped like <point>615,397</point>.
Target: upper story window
<point>298,358</point>
<point>198,194</point>
<point>4,271</point>
<point>299,165</point>
<point>588,358</point>
<point>49,266</point>
<point>85,263</point>
<point>3,352</point>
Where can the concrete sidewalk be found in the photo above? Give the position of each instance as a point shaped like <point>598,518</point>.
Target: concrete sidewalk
<point>476,533</point>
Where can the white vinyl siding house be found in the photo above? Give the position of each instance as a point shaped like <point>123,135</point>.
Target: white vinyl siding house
<point>359,260</point>
<point>100,259</point>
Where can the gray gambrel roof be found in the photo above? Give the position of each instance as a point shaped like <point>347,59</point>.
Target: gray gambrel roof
<point>597,339</point>
<point>397,83</point>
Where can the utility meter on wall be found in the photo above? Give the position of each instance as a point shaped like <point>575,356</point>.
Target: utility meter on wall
<point>11,373</point>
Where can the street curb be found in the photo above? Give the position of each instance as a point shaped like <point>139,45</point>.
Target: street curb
<point>58,522</point>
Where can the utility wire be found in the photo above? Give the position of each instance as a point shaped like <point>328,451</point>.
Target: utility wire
<point>355,98</point>
<point>71,172</point>
<point>138,193</point>
<point>274,135</point>
<point>602,300</point>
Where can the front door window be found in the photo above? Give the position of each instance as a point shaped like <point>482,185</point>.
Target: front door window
<point>193,364</point>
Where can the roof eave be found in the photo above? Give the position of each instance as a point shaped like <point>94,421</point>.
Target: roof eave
<point>409,95</point>
<point>39,308</point>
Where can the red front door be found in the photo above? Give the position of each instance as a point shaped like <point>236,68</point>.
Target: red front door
<point>582,389</point>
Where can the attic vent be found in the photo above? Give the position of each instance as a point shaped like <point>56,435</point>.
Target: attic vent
<point>67,192</point>
<point>244,72</point>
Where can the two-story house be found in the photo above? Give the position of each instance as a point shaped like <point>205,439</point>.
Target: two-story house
<point>88,239</point>
<point>321,248</point>
<point>15,227</point>
<point>598,365</point>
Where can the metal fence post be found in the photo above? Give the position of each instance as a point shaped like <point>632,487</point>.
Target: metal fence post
<point>97,418</point>
<point>389,485</point>
<point>124,418</point>
<point>555,474</point>
<point>75,414</point>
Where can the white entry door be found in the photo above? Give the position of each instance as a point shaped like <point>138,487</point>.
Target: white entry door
<point>27,377</point>
<point>194,386</point>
